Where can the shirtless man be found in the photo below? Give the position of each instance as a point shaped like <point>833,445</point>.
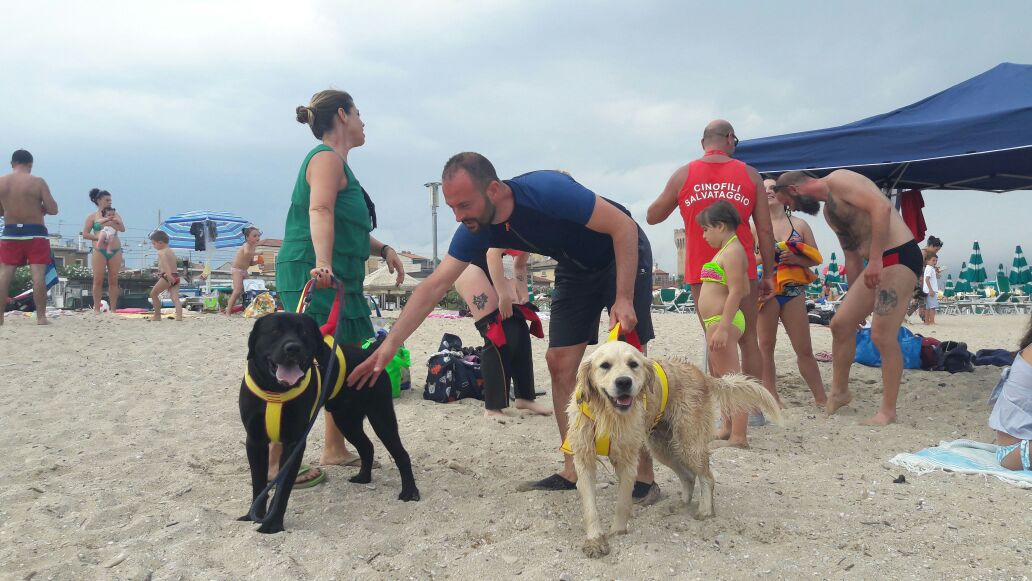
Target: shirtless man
<point>868,229</point>
<point>24,200</point>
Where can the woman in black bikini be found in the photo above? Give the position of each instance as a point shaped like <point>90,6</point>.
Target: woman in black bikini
<point>789,307</point>
<point>109,260</point>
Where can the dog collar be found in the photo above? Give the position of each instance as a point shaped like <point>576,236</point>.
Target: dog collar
<point>274,400</point>
<point>601,439</point>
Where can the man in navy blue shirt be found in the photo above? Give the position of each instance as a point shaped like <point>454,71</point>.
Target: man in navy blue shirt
<point>604,262</point>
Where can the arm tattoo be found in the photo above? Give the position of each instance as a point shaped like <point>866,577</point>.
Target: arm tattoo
<point>480,300</point>
<point>886,301</point>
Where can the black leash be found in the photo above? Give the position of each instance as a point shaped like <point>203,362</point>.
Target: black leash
<point>281,476</point>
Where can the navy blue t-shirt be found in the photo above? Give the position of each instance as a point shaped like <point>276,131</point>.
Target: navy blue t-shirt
<point>549,217</point>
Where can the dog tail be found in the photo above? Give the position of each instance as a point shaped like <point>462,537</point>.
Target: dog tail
<point>736,393</point>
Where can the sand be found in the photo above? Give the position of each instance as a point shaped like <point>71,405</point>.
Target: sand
<point>125,460</point>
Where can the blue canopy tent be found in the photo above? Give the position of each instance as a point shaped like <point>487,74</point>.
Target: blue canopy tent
<point>976,135</point>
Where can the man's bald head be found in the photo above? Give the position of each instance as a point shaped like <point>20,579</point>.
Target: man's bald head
<point>719,134</point>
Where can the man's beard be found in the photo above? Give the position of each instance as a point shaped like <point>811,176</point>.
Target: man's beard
<point>485,219</point>
<point>807,204</point>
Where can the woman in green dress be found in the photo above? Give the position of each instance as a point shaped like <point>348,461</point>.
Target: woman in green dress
<point>327,231</point>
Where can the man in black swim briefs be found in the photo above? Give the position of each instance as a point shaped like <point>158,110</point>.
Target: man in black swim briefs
<point>869,230</point>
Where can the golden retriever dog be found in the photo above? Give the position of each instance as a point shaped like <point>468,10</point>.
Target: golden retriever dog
<point>623,394</point>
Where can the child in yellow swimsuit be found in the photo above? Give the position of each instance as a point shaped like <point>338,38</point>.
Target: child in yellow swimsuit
<point>724,284</point>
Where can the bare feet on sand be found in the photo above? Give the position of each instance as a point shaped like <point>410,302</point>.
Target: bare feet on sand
<point>730,443</point>
<point>533,407</point>
<point>494,414</point>
<point>837,400</point>
<point>879,419</point>
<point>722,433</point>
<point>340,460</point>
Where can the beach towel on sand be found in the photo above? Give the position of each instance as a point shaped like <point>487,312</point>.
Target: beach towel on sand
<point>964,457</point>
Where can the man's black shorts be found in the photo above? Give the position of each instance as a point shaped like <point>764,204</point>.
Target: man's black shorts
<point>580,296</point>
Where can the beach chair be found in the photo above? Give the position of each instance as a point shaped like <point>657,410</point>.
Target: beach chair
<point>1002,304</point>
<point>683,303</point>
<point>663,300</point>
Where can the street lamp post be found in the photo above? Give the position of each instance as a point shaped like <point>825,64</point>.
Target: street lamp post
<point>434,189</point>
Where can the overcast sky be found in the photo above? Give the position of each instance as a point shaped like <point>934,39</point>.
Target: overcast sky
<point>189,105</point>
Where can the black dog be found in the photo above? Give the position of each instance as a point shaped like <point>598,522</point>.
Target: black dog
<point>281,399</point>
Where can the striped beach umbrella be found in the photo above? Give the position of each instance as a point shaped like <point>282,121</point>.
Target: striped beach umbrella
<point>831,271</point>
<point>963,280</point>
<point>1019,273</point>
<point>948,290</point>
<point>977,266</point>
<point>227,228</point>
<point>1002,282</point>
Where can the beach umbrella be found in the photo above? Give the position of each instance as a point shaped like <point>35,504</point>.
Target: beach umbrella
<point>831,271</point>
<point>1002,282</point>
<point>212,230</point>
<point>948,290</point>
<point>816,286</point>
<point>219,229</point>
<point>976,265</point>
<point>1019,273</point>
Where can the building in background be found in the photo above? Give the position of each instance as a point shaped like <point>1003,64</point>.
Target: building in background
<point>266,252</point>
<point>68,252</point>
<point>679,243</point>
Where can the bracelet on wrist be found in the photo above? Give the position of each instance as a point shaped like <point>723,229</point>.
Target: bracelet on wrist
<point>383,251</point>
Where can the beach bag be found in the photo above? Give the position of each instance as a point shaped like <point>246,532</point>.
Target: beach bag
<point>931,353</point>
<point>867,353</point>
<point>453,373</point>
<point>262,305</point>
<point>956,357</point>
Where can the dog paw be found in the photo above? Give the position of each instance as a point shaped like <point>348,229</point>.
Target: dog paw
<point>361,478</point>
<point>700,515</point>
<point>271,528</point>
<point>596,548</point>
<point>409,494</point>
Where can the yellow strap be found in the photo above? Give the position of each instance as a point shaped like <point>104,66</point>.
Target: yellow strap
<point>342,367</point>
<point>614,335</point>
<point>602,440</point>
<point>274,400</point>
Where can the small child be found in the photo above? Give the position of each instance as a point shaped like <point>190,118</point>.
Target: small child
<point>107,233</point>
<point>930,285</point>
<point>243,260</point>
<point>168,276</point>
<point>724,284</point>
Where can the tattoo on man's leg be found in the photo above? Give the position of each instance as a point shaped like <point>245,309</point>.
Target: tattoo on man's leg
<point>887,301</point>
<point>480,300</point>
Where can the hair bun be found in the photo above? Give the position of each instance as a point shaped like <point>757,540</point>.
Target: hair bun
<point>305,115</point>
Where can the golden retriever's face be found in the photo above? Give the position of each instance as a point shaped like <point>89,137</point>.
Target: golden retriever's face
<point>617,371</point>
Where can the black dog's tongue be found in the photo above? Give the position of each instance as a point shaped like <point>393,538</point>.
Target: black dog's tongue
<point>288,374</point>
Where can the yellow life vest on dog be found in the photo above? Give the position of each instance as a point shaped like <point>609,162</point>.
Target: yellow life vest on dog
<point>274,400</point>
<point>602,439</point>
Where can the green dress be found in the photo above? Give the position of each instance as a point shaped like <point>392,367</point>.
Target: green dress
<point>296,258</point>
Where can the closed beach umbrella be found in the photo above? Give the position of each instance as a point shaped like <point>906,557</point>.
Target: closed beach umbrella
<point>1019,273</point>
<point>1002,282</point>
<point>977,266</point>
<point>831,272</point>
<point>963,279</point>
<point>948,290</point>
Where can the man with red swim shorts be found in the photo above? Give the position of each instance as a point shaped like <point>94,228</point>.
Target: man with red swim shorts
<point>24,200</point>
<point>696,186</point>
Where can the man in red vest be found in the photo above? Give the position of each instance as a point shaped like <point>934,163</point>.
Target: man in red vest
<point>694,187</point>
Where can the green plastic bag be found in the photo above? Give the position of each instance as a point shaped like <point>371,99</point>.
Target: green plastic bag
<point>396,368</point>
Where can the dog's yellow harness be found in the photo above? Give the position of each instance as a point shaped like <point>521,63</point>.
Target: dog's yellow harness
<point>602,440</point>
<point>274,400</point>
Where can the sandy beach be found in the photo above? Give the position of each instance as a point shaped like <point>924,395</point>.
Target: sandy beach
<point>125,460</point>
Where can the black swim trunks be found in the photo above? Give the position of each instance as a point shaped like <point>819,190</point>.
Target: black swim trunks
<point>581,295</point>
<point>909,255</point>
